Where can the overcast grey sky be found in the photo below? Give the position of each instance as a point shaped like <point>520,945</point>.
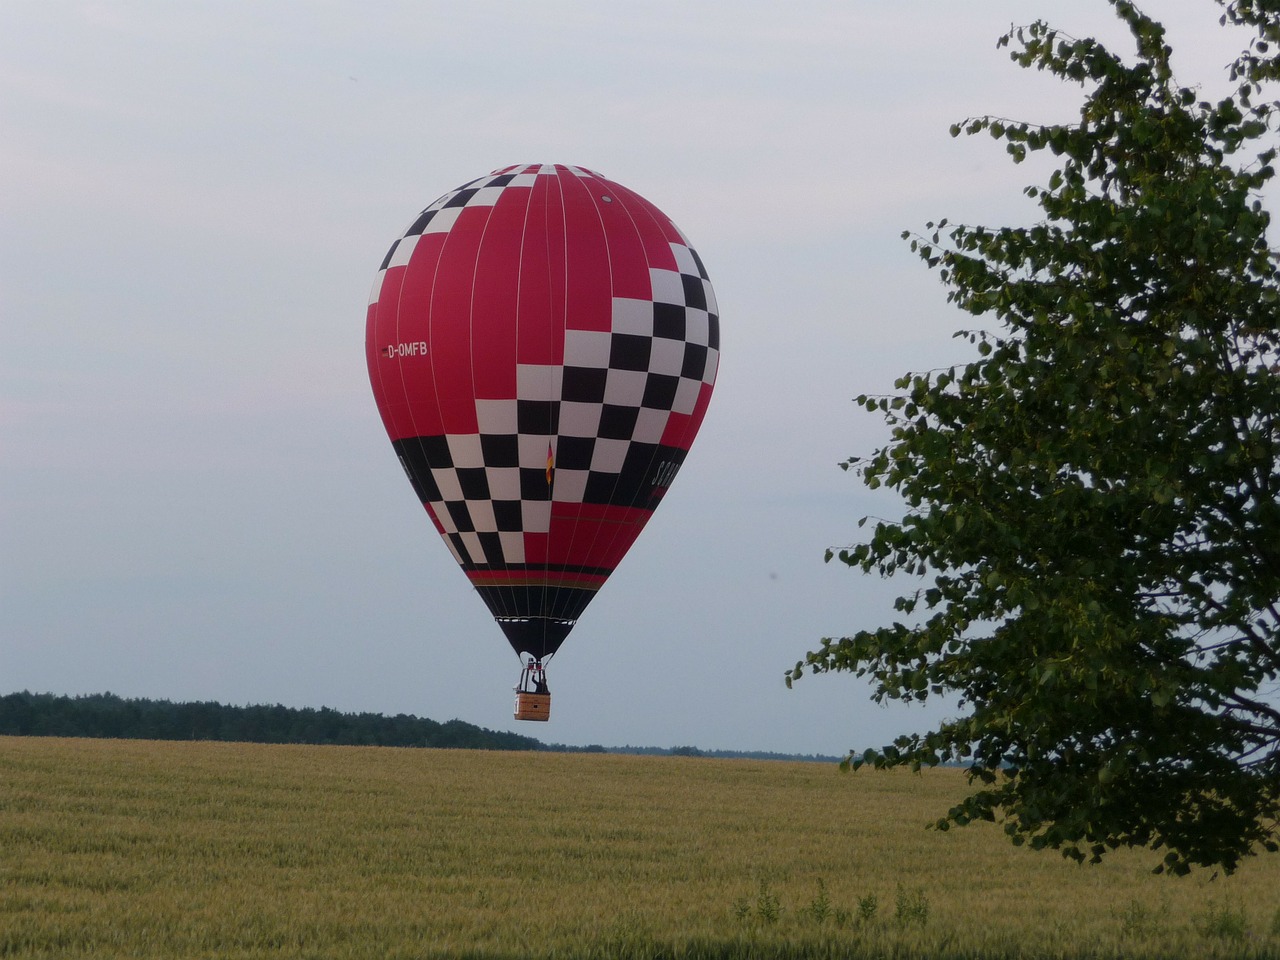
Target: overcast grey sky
<point>197,498</point>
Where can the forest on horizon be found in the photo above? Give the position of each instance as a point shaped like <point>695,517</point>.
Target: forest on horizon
<point>106,715</point>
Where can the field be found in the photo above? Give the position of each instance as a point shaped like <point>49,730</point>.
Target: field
<point>147,849</point>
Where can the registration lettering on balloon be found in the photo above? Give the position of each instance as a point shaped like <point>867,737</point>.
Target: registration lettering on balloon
<point>542,345</point>
<point>414,348</point>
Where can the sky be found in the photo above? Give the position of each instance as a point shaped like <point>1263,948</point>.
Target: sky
<point>197,497</point>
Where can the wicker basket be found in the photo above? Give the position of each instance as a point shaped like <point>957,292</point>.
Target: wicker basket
<point>533,706</point>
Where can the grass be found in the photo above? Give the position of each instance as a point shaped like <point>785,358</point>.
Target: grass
<point>144,849</point>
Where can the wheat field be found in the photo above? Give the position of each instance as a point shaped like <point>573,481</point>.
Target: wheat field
<point>150,849</point>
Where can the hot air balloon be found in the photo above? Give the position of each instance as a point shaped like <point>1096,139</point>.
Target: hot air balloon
<point>542,345</point>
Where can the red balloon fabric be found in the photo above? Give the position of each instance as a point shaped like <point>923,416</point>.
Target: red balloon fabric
<point>542,345</point>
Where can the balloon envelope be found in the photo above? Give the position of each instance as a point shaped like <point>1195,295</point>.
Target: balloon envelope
<point>542,345</point>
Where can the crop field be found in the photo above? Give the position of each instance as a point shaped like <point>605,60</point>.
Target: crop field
<point>148,849</point>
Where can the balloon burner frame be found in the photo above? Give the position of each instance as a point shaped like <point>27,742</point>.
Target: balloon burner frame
<point>533,699</point>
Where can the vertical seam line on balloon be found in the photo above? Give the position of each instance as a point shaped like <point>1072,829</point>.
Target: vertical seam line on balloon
<point>404,385</point>
<point>550,608</point>
<point>582,182</point>
<point>558,174</point>
<point>524,233</point>
<point>508,588</point>
<point>431,355</point>
<point>471,358</point>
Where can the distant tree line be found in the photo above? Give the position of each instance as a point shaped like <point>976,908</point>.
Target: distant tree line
<point>105,715</point>
<point>691,751</point>
<point>110,716</point>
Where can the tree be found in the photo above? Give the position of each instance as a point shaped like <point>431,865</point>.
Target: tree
<point>1091,508</point>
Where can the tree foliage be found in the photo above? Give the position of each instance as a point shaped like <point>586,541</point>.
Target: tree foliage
<point>1091,506</point>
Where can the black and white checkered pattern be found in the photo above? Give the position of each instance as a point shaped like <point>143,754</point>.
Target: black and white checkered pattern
<point>620,387</point>
<point>481,496</point>
<point>441,214</point>
<point>602,416</point>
